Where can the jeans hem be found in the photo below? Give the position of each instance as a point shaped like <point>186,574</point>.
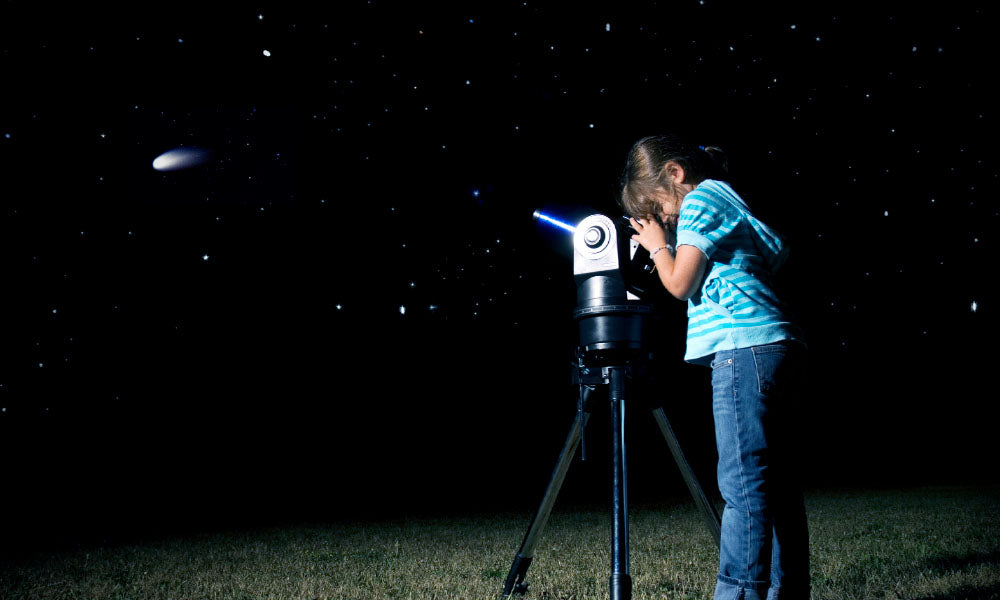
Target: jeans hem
<point>760,587</point>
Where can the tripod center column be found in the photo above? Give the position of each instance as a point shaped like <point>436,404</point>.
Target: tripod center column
<point>620,581</point>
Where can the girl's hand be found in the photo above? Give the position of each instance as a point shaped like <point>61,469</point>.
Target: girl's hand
<point>651,234</point>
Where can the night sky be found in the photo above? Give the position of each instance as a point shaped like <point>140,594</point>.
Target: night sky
<point>348,309</point>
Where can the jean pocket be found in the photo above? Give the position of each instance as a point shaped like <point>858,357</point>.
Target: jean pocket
<point>721,362</point>
<point>768,361</point>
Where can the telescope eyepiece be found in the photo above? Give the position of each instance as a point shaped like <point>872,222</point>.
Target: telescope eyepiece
<point>594,237</point>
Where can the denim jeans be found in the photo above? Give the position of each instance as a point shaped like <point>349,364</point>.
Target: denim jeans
<point>764,549</point>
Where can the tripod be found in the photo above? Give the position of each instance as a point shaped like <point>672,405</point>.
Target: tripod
<point>611,370</point>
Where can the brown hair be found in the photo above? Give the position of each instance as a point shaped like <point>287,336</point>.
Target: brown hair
<point>644,172</point>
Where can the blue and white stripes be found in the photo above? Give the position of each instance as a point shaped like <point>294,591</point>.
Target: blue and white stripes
<point>736,306</point>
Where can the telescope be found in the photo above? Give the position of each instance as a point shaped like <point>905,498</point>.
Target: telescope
<point>617,296</point>
<point>610,315</point>
<point>604,248</point>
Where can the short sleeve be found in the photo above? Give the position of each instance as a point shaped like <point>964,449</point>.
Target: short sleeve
<point>702,222</point>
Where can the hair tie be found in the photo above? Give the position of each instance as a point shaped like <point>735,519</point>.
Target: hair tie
<point>701,147</point>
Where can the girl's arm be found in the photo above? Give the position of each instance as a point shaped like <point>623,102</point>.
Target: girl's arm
<point>680,275</point>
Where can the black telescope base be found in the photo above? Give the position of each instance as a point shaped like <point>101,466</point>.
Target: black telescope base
<point>620,582</point>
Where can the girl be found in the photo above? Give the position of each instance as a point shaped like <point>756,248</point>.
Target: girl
<point>723,266</point>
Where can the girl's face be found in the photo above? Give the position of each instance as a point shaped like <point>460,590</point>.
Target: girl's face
<point>670,207</point>
<point>670,200</point>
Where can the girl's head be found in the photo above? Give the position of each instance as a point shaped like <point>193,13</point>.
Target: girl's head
<point>661,169</point>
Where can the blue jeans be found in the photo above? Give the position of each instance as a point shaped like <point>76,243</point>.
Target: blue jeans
<point>764,550</point>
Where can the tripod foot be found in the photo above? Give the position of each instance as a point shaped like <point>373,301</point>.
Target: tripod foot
<point>621,586</point>
<point>515,578</point>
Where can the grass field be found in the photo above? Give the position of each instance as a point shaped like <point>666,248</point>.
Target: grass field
<point>930,543</point>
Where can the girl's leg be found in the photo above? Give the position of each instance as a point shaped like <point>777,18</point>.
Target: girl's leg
<point>745,544</point>
<point>748,398</point>
<point>780,376</point>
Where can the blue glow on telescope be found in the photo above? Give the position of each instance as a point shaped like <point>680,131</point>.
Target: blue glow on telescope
<point>544,217</point>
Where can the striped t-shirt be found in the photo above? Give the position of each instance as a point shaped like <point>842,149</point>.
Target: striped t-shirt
<point>736,306</point>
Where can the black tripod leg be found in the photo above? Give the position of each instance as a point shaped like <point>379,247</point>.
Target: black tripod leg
<point>620,582</point>
<point>707,510</point>
<point>515,578</point>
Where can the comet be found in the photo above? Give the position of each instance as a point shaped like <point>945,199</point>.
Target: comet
<point>181,158</point>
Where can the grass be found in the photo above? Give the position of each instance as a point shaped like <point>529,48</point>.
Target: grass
<point>918,544</point>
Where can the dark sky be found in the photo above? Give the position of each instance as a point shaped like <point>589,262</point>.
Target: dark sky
<point>349,305</point>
